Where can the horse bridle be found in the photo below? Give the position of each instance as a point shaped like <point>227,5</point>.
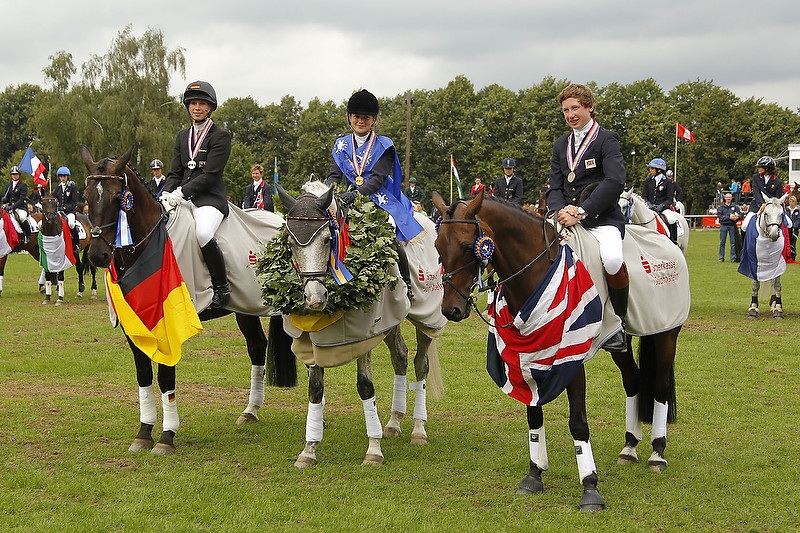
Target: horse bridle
<point>479,265</point>
<point>317,275</point>
<point>97,231</point>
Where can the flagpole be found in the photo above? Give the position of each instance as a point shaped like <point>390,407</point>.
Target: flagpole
<point>451,178</point>
<point>675,165</point>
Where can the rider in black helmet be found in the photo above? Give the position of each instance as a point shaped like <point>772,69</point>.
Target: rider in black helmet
<point>765,181</point>
<point>198,161</point>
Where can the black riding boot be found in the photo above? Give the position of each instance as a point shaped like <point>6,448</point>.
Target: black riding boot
<point>26,230</point>
<point>618,285</point>
<point>405,273</point>
<point>215,262</point>
<point>76,240</point>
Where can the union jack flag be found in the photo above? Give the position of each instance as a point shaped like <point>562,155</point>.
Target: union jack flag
<point>534,359</point>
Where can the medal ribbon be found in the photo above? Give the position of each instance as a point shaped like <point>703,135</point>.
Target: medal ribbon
<point>591,135</point>
<point>194,150</point>
<point>360,170</point>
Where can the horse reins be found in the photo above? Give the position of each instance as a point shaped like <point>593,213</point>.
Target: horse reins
<point>447,276</point>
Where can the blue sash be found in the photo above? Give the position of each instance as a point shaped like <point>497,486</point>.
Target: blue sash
<point>390,196</point>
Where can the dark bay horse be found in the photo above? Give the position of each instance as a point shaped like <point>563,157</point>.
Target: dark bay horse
<point>109,181</point>
<point>525,246</point>
<point>51,230</point>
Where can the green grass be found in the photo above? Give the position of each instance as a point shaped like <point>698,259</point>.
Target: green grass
<point>68,411</point>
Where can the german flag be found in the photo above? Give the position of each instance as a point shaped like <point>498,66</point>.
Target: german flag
<point>152,302</point>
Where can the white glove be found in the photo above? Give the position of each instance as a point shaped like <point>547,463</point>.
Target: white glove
<point>175,197</point>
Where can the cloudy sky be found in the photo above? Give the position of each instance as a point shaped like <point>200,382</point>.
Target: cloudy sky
<point>322,48</point>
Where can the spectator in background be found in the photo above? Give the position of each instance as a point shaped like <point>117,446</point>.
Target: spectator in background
<point>736,191</point>
<point>793,212</point>
<point>414,193</point>
<point>258,194</point>
<point>509,186</point>
<point>476,188</point>
<point>156,185</point>
<point>747,191</point>
<point>728,214</point>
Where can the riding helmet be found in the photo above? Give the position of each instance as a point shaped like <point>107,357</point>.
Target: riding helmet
<point>658,163</point>
<point>670,173</point>
<point>509,162</point>
<point>362,103</point>
<point>156,163</point>
<point>766,162</point>
<point>63,171</point>
<point>15,169</point>
<point>200,90</point>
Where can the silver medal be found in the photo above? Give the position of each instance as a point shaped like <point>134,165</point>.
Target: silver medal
<point>191,164</point>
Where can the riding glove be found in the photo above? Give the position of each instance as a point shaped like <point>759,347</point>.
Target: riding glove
<point>347,198</point>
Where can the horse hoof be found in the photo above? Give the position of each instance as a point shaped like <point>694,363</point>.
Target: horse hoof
<point>79,295</point>
<point>419,439</point>
<point>657,464</point>
<point>304,461</point>
<point>591,501</point>
<point>246,418</point>
<point>372,459</point>
<point>777,315</point>
<point>627,456</point>
<point>162,449</point>
<point>60,301</point>
<point>141,445</point>
<point>530,485</point>
<point>392,431</point>
<point>46,302</point>
<point>41,289</point>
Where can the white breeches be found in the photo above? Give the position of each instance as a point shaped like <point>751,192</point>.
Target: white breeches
<point>610,242</point>
<point>206,221</point>
<point>71,220</point>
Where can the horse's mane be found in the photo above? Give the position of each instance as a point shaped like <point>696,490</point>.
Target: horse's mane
<point>501,203</point>
<point>105,163</point>
<point>315,187</point>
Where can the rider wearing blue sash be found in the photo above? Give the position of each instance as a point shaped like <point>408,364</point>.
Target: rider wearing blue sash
<point>371,167</point>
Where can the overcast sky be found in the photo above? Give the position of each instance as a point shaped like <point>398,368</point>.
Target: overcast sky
<point>327,49</point>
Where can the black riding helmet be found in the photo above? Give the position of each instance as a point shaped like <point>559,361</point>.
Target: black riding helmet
<point>200,90</point>
<point>362,103</point>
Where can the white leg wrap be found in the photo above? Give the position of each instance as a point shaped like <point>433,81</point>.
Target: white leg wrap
<point>147,406</point>
<point>60,289</point>
<point>374,429</point>
<point>632,423</point>
<point>659,420</point>
<point>538,447</point>
<point>583,454</point>
<point>48,288</point>
<point>257,376</point>
<point>399,395</point>
<point>170,406</point>
<point>1,283</point>
<point>41,277</point>
<point>314,422</point>
<point>420,400</point>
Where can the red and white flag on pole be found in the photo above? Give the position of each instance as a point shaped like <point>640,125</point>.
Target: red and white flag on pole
<point>684,133</point>
<point>31,164</point>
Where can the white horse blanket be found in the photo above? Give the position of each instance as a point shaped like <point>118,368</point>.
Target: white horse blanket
<point>357,332</point>
<point>240,236</point>
<point>659,297</point>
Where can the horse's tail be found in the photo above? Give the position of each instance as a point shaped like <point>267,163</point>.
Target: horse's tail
<point>281,362</point>
<point>434,381</point>
<point>648,373</point>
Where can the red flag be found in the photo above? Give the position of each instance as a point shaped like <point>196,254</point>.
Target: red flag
<point>684,133</point>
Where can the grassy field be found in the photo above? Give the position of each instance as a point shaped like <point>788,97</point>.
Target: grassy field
<point>69,409</point>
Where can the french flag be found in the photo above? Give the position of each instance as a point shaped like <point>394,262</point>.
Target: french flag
<point>31,164</point>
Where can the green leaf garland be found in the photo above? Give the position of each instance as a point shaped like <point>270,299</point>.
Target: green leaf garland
<point>371,253</point>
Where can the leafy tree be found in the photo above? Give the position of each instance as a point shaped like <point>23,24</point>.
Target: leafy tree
<point>318,126</point>
<point>17,132</point>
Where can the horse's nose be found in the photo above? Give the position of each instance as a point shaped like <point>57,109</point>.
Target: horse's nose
<point>455,313</point>
<point>315,295</point>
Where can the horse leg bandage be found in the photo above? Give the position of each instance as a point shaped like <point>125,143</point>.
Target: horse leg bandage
<point>659,420</point>
<point>257,377</point>
<point>48,288</point>
<point>583,454</point>
<point>420,399</point>
<point>399,395</point>
<point>537,443</point>
<point>314,421</point>
<point>60,288</point>
<point>147,406</point>
<point>170,406</point>
<point>632,423</point>
<point>374,429</point>
<point>42,278</point>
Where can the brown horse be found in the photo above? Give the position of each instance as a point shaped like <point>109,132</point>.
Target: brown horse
<point>109,181</point>
<point>524,248</point>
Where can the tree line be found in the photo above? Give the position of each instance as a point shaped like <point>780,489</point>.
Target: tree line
<point>121,98</point>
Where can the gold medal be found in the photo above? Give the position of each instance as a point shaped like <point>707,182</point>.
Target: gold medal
<point>571,177</point>
<point>359,180</point>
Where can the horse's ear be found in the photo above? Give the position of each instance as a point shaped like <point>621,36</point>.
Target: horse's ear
<point>438,203</point>
<point>125,157</point>
<point>87,158</point>
<point>287,199</point>
<point>474,206</point>
<point>324,201</point>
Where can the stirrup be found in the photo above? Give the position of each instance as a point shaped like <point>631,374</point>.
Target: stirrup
<point>222,296</point>
<point>617,343</point>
